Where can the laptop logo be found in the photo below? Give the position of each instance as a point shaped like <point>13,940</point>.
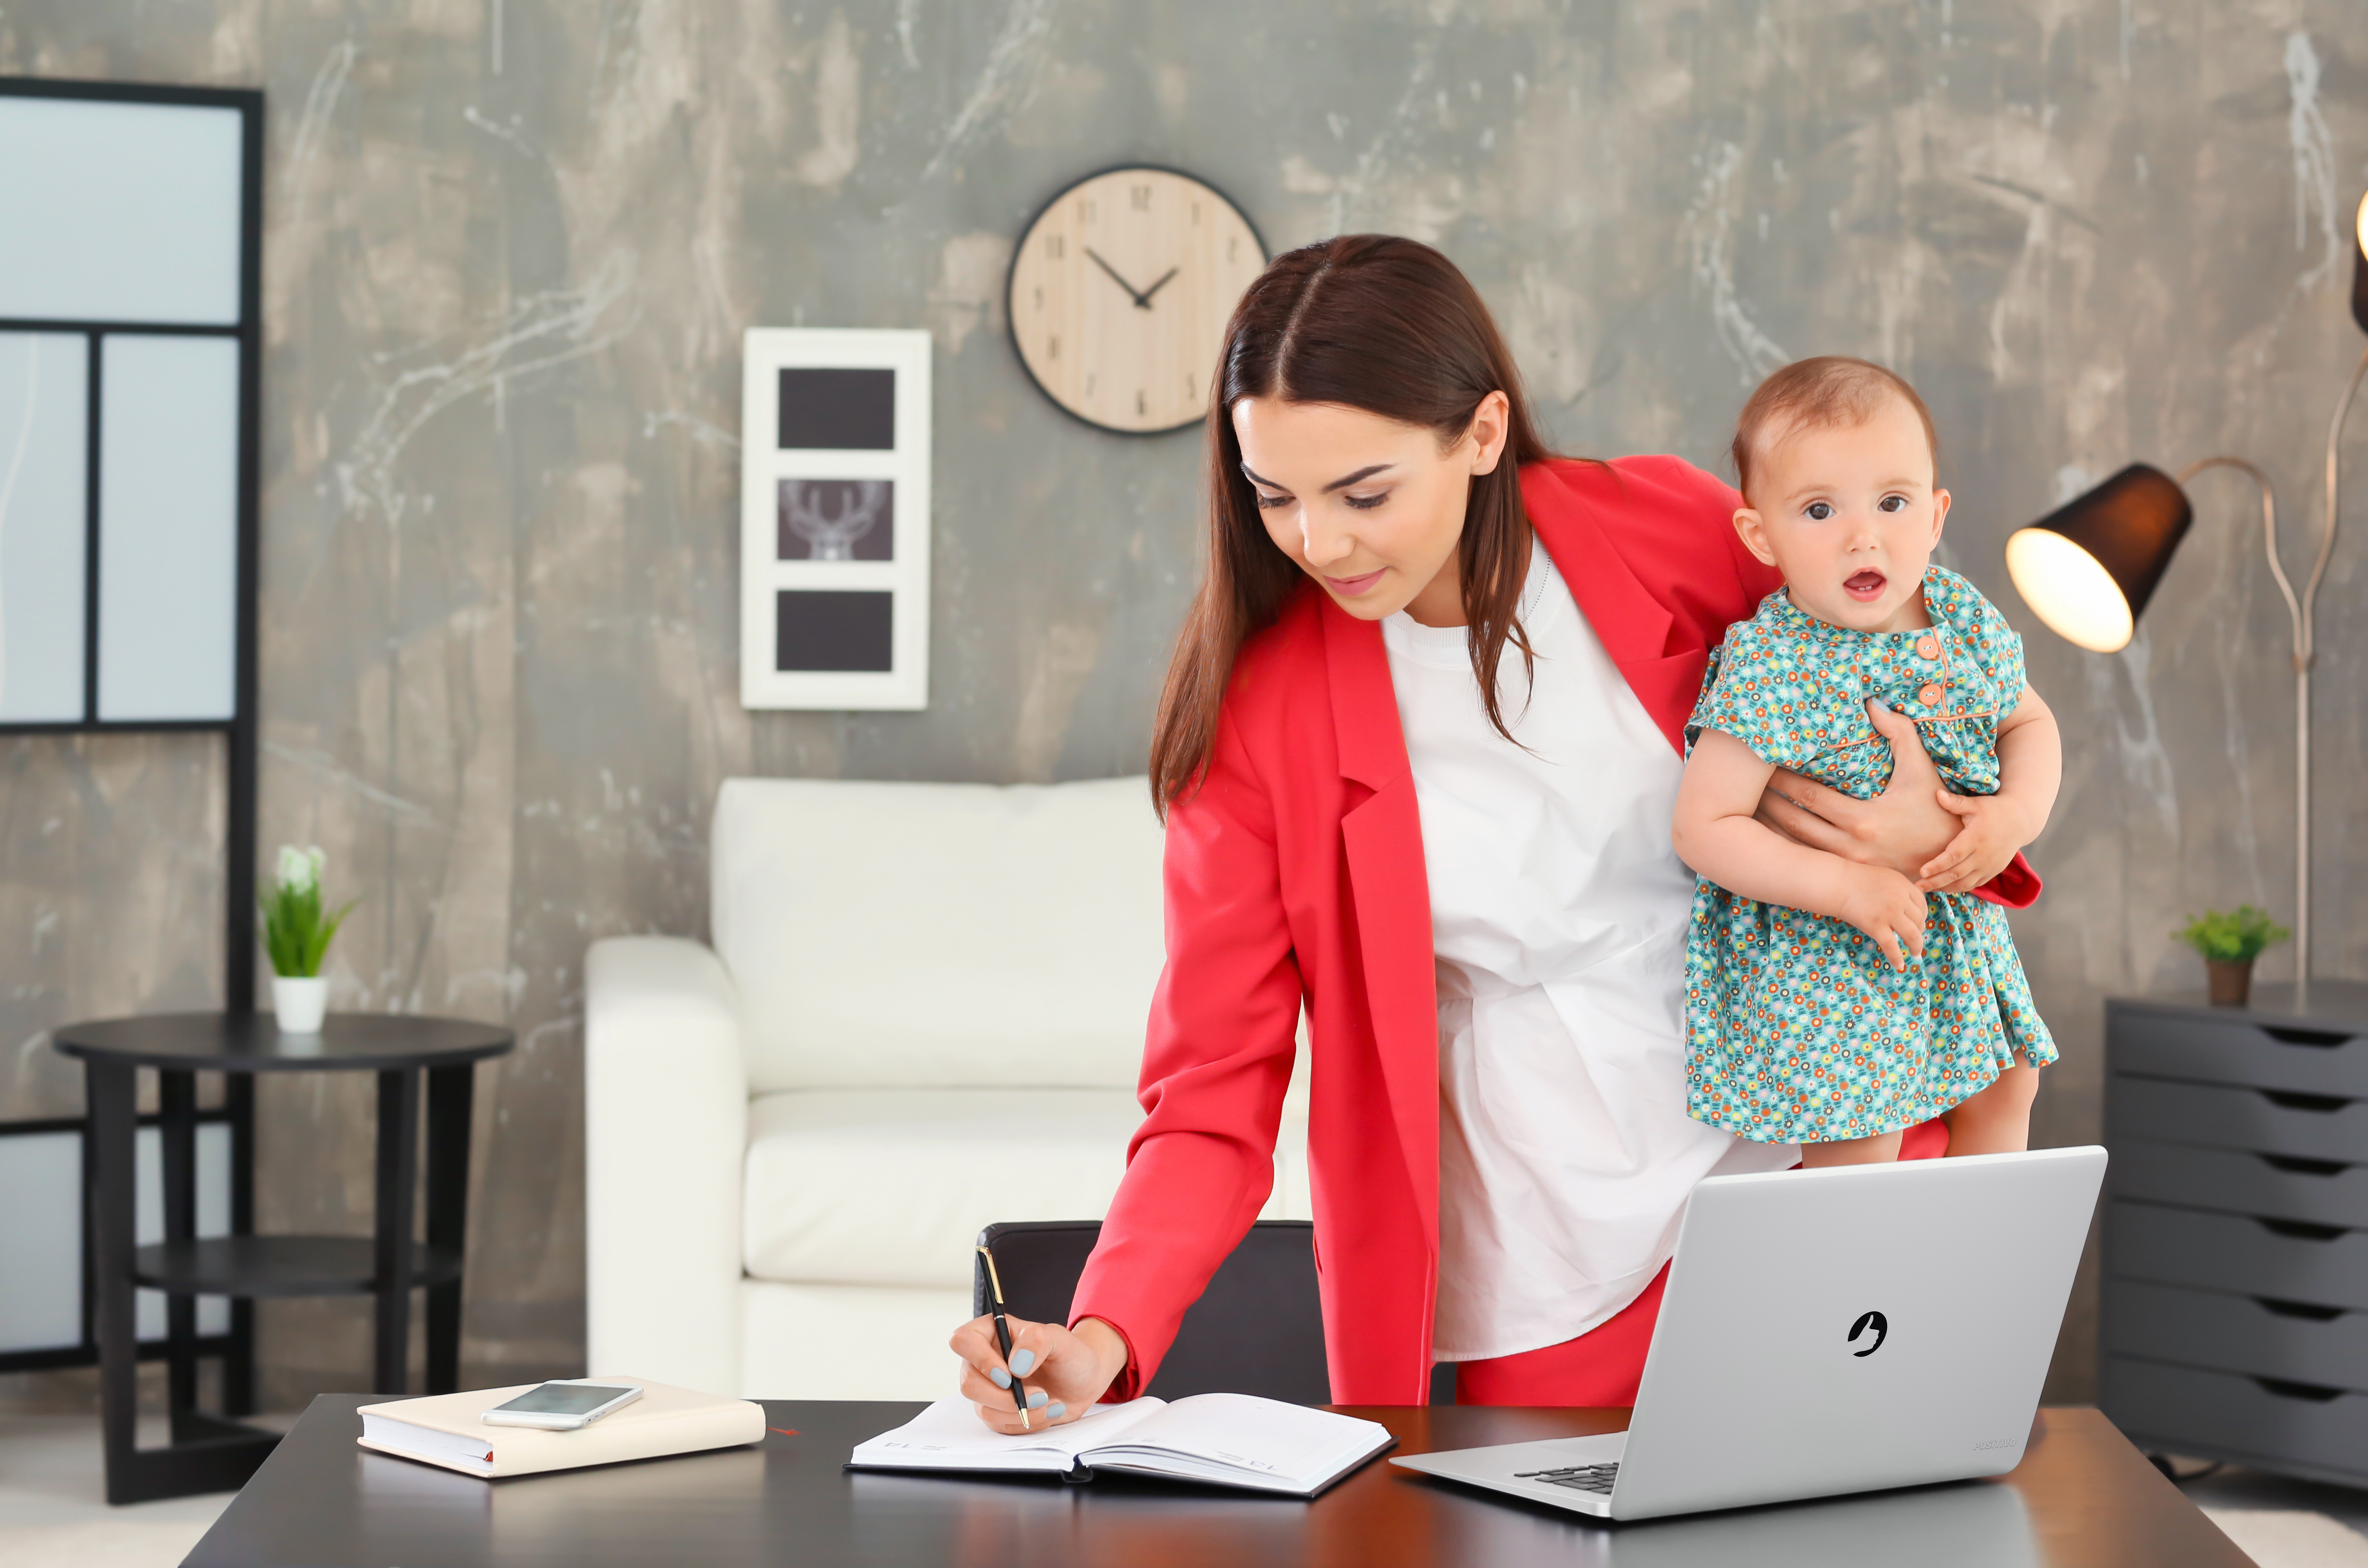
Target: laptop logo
<point>1876,1321</point>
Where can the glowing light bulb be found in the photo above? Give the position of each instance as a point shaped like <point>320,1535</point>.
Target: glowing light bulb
<point>2069,589</point>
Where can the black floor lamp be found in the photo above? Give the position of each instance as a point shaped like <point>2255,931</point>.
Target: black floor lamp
<point>2087,568</point>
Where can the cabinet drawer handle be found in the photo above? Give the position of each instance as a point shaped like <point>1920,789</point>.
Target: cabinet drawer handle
<point>2319,1039</point>
<point>2294,1165</point>
<point>2287,1100</point>
<point>2317,1393</point>
<point>2304,1310</point>
<point>2302,1230</point>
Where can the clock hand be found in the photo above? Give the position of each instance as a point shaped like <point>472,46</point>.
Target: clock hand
<point>1142,302</point>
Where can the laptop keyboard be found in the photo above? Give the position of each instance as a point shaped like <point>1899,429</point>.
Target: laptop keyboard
<point>1578,1477</point>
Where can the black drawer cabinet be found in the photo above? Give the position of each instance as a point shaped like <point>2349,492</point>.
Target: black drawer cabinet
<point>2235,1322</point>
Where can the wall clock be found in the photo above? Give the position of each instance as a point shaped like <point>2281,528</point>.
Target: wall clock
<point>1119,293</point>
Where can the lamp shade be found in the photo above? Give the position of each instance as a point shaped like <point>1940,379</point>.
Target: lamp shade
<point>2087,568</point>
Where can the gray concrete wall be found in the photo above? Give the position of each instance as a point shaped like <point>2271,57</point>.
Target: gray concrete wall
<point>512,245</point>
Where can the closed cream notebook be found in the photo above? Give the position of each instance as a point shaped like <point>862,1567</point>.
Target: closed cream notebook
<point>444,1430</point>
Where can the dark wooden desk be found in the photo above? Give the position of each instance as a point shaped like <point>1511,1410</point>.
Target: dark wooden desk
<point>2082,1496</point>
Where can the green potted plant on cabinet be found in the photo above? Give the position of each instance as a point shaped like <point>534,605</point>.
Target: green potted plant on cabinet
<point>2228,941</point>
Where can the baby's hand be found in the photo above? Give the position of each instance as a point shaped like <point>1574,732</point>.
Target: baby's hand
<point>1990,829</point>
<point>1889,908</point>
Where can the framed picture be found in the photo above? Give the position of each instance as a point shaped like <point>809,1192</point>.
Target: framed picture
<point>835,518</point>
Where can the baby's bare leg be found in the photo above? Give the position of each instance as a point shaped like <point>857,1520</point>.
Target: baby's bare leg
<point>1996,1120</point>
<point>1879,1150</point>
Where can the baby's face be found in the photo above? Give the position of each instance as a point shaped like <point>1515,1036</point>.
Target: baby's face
<point>1849,515</point>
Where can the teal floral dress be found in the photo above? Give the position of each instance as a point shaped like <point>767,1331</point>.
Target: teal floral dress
<point>1797,1030</point>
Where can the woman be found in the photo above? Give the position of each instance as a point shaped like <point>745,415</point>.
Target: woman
<point>1417,778</point>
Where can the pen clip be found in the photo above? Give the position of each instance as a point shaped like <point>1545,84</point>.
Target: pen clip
<point>993,1283</point>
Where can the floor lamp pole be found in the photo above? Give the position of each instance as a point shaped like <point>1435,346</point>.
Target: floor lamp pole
<point>2302,680</point>
<point>2299,611</point>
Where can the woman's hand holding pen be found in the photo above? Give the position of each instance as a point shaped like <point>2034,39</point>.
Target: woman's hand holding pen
<point>1065,1370</point>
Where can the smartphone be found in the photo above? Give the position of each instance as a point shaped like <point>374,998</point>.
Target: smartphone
<point>563,1404</point>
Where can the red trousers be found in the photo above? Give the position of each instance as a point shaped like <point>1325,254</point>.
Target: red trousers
<point>1603,1365</point>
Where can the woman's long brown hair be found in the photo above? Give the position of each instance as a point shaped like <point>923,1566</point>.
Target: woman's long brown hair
<point>1371,322</point>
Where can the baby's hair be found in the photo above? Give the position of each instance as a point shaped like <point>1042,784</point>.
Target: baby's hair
<point>1830,391</point>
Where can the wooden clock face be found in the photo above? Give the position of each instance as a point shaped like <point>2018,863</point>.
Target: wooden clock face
<point>1120,294</point>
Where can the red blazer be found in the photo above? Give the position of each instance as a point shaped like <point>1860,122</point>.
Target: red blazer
<point>1294,874</point>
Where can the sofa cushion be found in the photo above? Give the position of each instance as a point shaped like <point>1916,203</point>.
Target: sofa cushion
<point>939,934</point>
<point>848,1341</point>
<point>891,1186</point>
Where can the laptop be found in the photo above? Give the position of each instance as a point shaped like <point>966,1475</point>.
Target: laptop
<point>1831,1331</point>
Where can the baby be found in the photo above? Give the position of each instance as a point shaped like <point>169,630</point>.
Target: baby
<point>1828,1003</point>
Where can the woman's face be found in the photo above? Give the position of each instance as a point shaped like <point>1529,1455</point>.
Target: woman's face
<point>1371,508</point>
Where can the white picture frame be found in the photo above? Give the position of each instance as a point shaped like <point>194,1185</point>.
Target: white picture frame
<point>835,518</point>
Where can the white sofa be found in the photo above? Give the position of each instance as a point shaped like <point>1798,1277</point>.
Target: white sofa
<point>923,1012</point>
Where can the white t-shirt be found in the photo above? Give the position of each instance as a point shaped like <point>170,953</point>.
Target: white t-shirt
<point>1558,917</point>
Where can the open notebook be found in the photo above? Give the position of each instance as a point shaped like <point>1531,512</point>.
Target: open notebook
<point>1225,1439</point>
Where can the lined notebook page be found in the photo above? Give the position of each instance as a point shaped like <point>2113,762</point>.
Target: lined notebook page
<point>950,1433</point>
<point>1263,1436</point>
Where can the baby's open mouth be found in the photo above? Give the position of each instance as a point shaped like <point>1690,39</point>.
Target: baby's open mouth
<point>1865,587</point>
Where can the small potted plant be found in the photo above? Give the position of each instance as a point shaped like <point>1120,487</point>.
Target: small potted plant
<point>2229,941</point>
<point>297,935</point>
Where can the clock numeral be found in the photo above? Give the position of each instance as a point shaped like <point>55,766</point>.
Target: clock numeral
<point>1053,247</point>
<point>1142,402</point>
<point>1085,209</point>
<point>1039,299</point>
<point>1053,346</point>
<point>1141,197</point>
<point>1233,243</point>
<point>1196,215</point>
<point>1191,383</point>
<point>1090,384</point>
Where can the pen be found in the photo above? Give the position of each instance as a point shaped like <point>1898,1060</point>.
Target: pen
<point>1003,1335</point>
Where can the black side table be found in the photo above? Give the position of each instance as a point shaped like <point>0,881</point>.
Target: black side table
<point>215,1454</point>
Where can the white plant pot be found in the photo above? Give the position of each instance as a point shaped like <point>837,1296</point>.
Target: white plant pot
<point>300,1002</point>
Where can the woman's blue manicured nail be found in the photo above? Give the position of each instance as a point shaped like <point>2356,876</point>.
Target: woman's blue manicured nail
<point>999,1376</point>
<point>1022,1362</point>
<point>1056,1411</point>
<point>1035,1399</point>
